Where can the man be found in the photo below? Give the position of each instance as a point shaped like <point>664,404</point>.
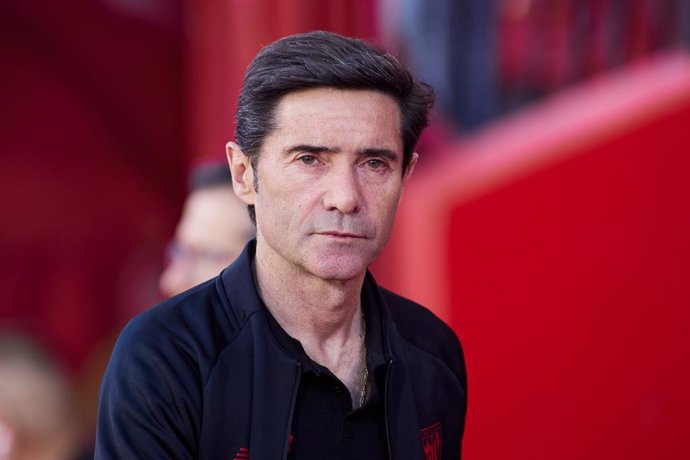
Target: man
<point>294,351</point>
<point>212,231</point>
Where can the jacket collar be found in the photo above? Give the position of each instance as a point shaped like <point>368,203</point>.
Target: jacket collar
<point>238,285</point>
<point>239,293</point>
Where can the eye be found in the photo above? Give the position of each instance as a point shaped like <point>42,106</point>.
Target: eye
<point>375,163</point>
<point>307,159</point>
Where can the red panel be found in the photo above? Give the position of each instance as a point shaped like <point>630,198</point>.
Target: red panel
<point>572,287</point>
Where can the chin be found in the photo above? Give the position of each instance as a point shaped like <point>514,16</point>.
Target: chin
<point>340,268</point>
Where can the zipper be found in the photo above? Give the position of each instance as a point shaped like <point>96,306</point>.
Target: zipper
<point>385,407</point>
<point>295,389</point>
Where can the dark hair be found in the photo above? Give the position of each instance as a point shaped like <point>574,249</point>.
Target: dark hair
<point>208,175</point>
<point>324,59</point>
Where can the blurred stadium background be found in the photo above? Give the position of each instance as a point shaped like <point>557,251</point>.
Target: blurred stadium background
<point>548,221</point>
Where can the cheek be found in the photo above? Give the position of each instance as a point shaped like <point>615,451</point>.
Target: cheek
<point>281,207</point>
<point>292,195</point>
<point>388,209</point>
<point>387,203</point>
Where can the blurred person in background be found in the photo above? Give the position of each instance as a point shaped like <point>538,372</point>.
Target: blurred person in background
<point>294,351</point>
<point>451,45</point>
<point>37,417</point>
<point>211,233</point>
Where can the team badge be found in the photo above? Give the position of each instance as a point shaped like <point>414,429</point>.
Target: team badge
<point>431,441</point>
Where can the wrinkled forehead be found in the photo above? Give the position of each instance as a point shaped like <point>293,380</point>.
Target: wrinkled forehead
<point>327,115</point>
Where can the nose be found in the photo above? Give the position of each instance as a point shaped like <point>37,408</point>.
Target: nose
<point>343,192</point>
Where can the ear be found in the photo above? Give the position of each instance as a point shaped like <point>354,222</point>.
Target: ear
<point>410,168</point>
<point>242,173</point>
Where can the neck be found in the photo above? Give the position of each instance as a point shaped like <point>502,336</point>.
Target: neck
<point>306,306</point>
<point>324,315</point>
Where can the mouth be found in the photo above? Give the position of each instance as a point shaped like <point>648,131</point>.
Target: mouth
<point>342,235</point>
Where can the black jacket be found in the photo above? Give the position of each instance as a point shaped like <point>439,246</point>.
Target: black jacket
<point>201,376</point>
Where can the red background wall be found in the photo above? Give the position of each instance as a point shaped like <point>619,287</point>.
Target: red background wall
<point>92,171</point>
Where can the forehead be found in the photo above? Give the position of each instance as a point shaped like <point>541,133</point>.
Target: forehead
<point>211,216</point>
<point>366,118</point>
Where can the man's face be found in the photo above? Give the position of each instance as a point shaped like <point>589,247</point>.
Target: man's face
<point>330,180</point>
<point>212,232</point>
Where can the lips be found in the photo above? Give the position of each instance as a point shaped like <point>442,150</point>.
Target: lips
<point>340,234</point>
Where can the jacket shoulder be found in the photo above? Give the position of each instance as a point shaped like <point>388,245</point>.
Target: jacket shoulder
<point>193,325</point>
<point>156,376</point>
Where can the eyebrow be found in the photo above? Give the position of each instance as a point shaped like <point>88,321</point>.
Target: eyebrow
<point>311,149</point>
<point>369,152</point>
